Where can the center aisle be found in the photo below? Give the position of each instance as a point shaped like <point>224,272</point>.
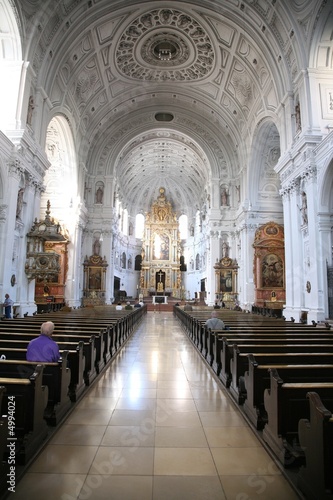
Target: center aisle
<point>156,425</point>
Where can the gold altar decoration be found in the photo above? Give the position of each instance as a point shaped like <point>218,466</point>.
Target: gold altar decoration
<point>226,271</point>
<point>47,261</point>
<point>161,250</point>
<point>268,267</point>
<point>94,280</point>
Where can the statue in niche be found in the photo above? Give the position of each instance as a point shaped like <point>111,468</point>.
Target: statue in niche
<point>304,208</point>
<point>238,192</point>
<point>224,197</point>
<point>96,247</point>
<point>298,117</point>
<point>225,249</point>
<point>99,195</point>
<point>31,107</point>
<point>19,204</point>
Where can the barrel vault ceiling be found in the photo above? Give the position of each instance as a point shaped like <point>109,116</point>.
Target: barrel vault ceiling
<point>164,93</point>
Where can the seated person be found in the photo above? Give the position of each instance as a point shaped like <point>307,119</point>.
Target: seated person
<point>215,323</point>
<point>128,306</point>
<point>44,348</point>
<point>188,307</point>
<point>119,306</point>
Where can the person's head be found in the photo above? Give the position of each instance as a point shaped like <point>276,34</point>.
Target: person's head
<point>47,328</point>
<point>6,296</point>
<point>128,303</point>
<point>214,314</point>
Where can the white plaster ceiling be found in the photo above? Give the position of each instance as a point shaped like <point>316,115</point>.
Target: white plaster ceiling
<point>215,66</point>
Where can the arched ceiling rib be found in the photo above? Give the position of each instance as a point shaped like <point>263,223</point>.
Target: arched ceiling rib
<point>177,165</point>
<point>225,64</point>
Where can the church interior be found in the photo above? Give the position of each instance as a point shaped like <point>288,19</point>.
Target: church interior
<point>167,153</point>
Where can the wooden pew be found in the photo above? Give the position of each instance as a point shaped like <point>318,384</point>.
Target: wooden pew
<point>235,360</point>
<point>76,363</point>
<point>95,359</point>
<point>88,350</point>
<point>257,379</point>
<point>315,478</point>
<point>56,376</point>
<point>27,398</point>
<point>286,404</point>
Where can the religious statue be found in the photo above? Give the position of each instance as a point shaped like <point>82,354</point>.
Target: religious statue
<point>96,247</point>
<point>225,249</point>
<point>304,208</point>
<point>298,117</point>
<point>19,204</point>
<point>99,195</point>
<point>224,197</point>
<point>31,107</point>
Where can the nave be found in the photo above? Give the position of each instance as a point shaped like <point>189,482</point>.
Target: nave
<point>156,425</point>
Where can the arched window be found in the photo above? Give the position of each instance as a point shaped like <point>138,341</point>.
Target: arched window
<point>139,226</point>
<point>183,220</point>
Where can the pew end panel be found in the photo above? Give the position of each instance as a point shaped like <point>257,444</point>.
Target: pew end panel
<point>30,398</point>
<point>286,404</point>
<point>315,478</point>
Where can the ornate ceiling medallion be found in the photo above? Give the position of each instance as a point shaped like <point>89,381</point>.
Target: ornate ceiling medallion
<point>165,44</point>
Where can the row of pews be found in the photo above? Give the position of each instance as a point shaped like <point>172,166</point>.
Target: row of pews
<point>281,375</point>
<point>34,397</point>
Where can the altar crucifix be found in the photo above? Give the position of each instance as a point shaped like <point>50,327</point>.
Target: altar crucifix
<point>160,287</point>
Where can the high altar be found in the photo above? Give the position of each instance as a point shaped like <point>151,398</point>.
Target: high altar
<point>160,268</point>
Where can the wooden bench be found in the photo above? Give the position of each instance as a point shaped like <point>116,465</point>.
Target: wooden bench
<point>257,379</point>
<point>286,404</point>
<point>315,478</point>
<point>215,343</point>
<point>27,398</point>
<point>96,359</point>
<point>56,376</point>
<point>89,352</point>
<point>236,364</point>
<point>76,363</point>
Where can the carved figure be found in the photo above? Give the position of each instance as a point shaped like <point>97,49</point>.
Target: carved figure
<point>225,249</point>
<point>99,195</point>
<point>96,247</point>
<point>19,202</point>
<point>298,117</point>
<point>304,208</point>
<point>224,197</point>
<point>31,107</point>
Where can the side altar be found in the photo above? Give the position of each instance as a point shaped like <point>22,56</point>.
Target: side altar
<point>94,280</point>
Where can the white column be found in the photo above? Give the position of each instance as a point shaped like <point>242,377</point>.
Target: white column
<point>293,251</point>
<point>315,265</point>
<point>245,273</point>
<point>212,256</point>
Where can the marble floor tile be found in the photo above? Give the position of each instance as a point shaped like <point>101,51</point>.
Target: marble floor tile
<point>156,425</point>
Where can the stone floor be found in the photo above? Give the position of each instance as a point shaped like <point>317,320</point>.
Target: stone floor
<point>156,425</point>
